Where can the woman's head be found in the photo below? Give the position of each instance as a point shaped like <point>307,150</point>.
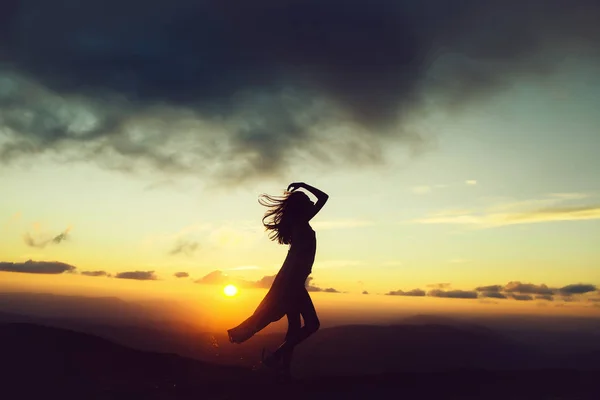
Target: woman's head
<point>284,212</point>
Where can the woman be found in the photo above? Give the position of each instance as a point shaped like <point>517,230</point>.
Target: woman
<point>287,221</point>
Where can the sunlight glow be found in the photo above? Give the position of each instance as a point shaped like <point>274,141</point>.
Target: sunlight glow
<point>230,290</point>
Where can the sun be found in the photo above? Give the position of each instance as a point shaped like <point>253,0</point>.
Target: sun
<point>230,290</point>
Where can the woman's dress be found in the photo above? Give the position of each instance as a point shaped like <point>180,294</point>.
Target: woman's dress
<point>288,285</point>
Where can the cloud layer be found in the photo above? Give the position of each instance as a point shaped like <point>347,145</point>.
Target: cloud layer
<point>312,288</point>
<point>39,241</point>
<point>512,290</point>
<point>555,207</point>
<point>184,246</point>
<point>414,292</point>
<point>232,90</point>
<point>138,275</point>
<point>37,267</point>
<point>95,273</point>
<point>529,291</point>
<point>453,294</point>
<point>219,278</point>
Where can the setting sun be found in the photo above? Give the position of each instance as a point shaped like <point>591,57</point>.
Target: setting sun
<point>230,290</point>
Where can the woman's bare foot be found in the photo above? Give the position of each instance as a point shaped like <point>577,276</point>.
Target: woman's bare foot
<point>271,360</point>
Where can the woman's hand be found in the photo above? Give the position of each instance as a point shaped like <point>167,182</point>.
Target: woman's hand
<point>321,196</point>
<point>295,185</point>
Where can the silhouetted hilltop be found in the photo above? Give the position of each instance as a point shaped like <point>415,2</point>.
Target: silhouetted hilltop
<point>422,343</point>
<point>426,319</point>
<point>42,362</point>
<point>363,349</point>
<point>51,306</point>
<point>59,356</point>
<point>351,349</point>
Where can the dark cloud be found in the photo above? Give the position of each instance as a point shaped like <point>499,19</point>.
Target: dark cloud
<point>529,291</point>
<point>139,275</point>
<point>414,292</point>
<point>37,267</point>
<point>234,89</point>
<point>453,294</point>
<point>95,273</point>
<point>521,297</point>
<point>219,278</point>
<point>181,274</point>
<point>60,237</point>
<point>492,294</point>
<point>365,292</point>
<point>578,288</point>
<point>527,288</point>
<point>312,288</point>
<point>491,288</point>
<point>183,246</point>
<point>214,278</point>
<point>31,242</point>
<point>41,241</point>
<point>265,282</point>
<point>439,286</point>
<point>514,289</point>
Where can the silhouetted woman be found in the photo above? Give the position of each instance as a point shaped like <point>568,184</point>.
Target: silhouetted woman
<point>287,220</point>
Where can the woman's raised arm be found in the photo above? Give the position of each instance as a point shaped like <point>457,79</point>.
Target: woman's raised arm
<point>320,195</point>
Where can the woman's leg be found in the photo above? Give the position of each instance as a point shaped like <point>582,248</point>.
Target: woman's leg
<point>311,325</point>
<point>294,325</point>
<point>309,314</point>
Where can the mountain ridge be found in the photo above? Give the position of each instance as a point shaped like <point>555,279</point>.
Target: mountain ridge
<point>41,361</point>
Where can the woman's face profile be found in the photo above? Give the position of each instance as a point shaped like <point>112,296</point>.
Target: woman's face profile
<point>303,204</point>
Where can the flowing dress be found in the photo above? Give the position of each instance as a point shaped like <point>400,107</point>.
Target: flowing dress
<point>288,285</point>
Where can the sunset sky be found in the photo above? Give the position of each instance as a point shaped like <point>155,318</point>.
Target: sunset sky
<point>460,150</point>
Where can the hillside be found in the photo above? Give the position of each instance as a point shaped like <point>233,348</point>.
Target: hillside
<point>46,362</point>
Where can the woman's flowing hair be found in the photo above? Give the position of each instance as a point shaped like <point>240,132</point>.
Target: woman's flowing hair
<point>283,212</point>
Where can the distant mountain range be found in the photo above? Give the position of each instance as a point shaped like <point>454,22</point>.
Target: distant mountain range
<point>422,343</point>
<point>105,310</point>
<point>52,354</point>
<point>43,362</point>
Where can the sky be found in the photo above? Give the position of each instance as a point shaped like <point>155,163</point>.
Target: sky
<point>458,145</point>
